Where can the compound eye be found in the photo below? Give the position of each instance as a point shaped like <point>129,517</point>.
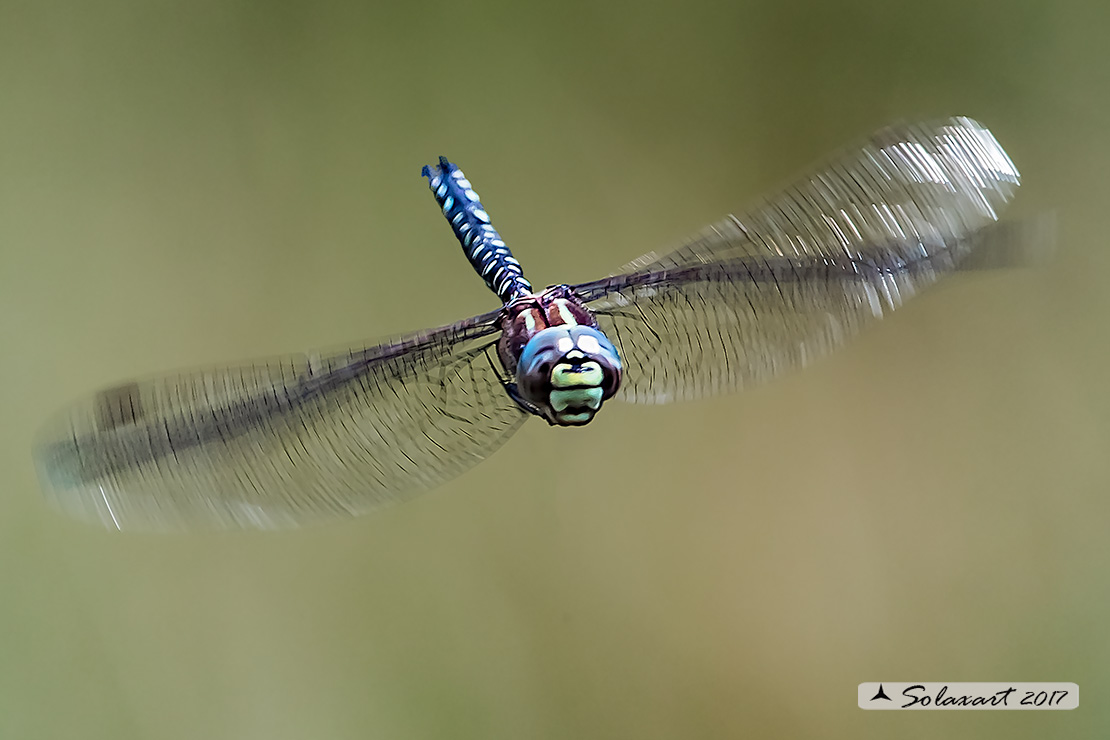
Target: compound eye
<point>612,382</point>
<point>602,351</point>
<point>537,360</point>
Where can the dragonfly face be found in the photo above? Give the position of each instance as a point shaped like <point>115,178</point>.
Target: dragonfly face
<point>563,365</point>
<point>565,372</point>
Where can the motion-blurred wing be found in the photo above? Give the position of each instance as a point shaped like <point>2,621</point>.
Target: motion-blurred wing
<point>801,272</point>
<point>282,442</point>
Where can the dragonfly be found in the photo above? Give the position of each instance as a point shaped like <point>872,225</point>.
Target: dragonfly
<point>308,437</point>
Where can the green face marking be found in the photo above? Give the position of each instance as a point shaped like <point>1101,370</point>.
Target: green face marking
<point>566,375</point>
<point>576,386</point>
<point>576,397</point>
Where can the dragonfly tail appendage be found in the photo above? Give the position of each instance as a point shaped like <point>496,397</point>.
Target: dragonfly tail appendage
<point>483,246</point>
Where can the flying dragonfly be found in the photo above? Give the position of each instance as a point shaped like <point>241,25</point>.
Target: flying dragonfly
<point>302,438</point>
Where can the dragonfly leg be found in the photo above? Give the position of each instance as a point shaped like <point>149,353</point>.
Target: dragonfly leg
<point>514,394</point>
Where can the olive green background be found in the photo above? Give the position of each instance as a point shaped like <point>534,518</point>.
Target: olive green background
<point>186,183</point>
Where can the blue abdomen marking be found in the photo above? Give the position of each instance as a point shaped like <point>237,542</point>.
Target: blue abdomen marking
<point>483,246</point>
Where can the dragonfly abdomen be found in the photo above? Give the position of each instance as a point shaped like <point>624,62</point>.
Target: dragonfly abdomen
<point>483,246</point>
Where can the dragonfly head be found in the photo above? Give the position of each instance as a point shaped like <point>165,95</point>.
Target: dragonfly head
<point>566,372</point>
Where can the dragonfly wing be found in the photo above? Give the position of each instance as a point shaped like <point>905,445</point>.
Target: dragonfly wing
<point>801,272</point>
<point>905,192</point>
<point>282,442</point>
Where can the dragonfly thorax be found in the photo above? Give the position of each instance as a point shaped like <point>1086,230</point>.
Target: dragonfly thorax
<point>563,365</point>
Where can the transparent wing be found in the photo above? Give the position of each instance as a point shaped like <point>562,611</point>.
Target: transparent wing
<point>802,271</point>
<point>282,442</point>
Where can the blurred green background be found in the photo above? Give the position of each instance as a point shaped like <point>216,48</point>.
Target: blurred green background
<point>186,183</point>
